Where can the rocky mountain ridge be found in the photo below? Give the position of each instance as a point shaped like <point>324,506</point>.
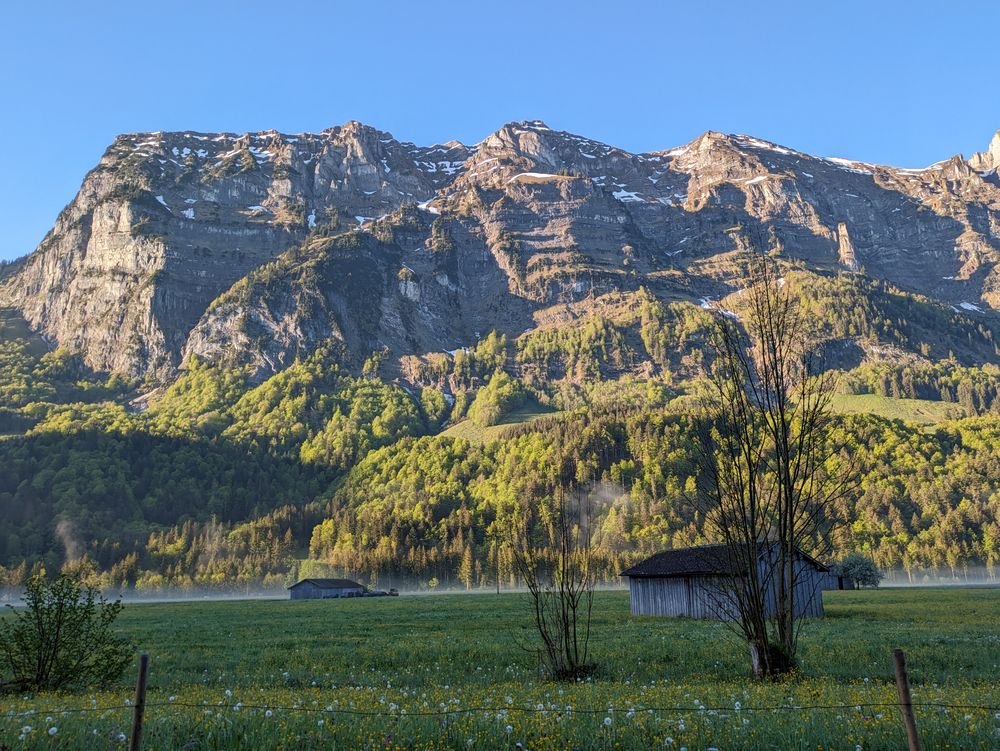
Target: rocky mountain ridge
<point>253,249</point>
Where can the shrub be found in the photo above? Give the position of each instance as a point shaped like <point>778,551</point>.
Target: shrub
<point>62,638</point>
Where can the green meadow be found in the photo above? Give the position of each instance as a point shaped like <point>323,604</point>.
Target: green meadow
<point>919,411</point>
<point>458,671</point>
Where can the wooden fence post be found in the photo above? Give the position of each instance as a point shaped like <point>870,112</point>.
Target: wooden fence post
<point>905,703</point>
<point>140,704</point>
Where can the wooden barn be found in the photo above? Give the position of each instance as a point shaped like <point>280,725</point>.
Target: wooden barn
<point>697,583</point>
<point>323,589</point>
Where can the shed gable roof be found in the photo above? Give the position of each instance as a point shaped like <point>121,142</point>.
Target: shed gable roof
<point>702,559</point>
<point>329,584</point>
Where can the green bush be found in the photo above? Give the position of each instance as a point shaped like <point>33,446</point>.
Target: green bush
<point>61,639</point>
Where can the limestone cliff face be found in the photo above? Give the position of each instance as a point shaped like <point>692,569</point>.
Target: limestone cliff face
<point>254,248</point>
<point>848,257</point>
<point>168,221</point>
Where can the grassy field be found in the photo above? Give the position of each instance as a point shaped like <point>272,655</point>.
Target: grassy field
<point>403,673</point>
<point>475,433</point>
<point>920,411</point>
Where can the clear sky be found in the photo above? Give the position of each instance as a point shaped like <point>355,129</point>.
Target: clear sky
<point>898,82</point>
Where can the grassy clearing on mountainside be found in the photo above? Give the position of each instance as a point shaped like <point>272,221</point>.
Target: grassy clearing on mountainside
<point>304,675</point>
<point>919,411</point>
<point>473,432</point>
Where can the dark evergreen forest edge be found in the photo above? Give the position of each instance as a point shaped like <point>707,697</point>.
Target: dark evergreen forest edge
<point>407,473</point>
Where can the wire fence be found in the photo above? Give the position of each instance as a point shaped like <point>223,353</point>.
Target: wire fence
<point>493,710</point>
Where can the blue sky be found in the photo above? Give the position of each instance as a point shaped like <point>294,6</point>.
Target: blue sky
<point>904,83</point>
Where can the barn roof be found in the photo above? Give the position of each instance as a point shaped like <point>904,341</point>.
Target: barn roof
<point>329,583</point>
<point>702,559</point>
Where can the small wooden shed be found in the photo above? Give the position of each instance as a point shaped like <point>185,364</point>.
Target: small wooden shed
<point>323,589</point>
<point>698,582</point>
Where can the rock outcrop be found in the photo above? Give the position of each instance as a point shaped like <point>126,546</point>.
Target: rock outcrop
<point>984,161</point>
<point>848,258</point>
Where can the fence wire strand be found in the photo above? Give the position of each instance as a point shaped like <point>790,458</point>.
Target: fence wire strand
<point>404,713</point>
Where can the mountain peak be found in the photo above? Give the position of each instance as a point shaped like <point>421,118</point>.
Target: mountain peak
<point>355,128</point>
<point>985,161</point>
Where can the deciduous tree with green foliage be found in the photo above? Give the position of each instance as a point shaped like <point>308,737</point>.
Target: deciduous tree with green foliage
<point>62,638</point>
<point>860,569</point>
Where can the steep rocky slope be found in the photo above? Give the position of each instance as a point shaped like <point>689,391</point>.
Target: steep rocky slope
<point>254,249</point>
<point>167,221</point>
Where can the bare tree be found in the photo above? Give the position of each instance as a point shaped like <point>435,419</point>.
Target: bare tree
<point>768,485</point>
<point>560,584</point>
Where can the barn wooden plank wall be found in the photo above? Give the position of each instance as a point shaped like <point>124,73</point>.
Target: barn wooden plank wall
<point>703,596</point>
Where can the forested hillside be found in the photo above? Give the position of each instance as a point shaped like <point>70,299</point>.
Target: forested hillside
<point>218,480</point>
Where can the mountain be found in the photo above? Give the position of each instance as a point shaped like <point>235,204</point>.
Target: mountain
<point>257,249</point>
<point>239,359</point>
